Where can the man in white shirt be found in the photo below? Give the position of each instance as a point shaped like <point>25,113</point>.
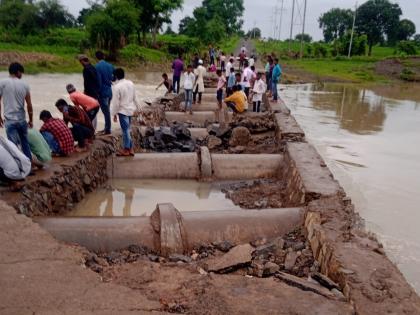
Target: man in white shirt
<point>228,67</point>
<point>14,165</point>
<point>124,104</point>
<point>246,78</point>
<point>257,93</point>
<point>189,80</point>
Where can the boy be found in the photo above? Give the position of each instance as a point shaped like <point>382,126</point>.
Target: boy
<point>124,105</point>
<point>221,83</point>
<point>89,104</point>
<point>189,80</point>
<point>231,82</point>
<point>223,62</point>
<point>166,82</point>
<point>257,93</point>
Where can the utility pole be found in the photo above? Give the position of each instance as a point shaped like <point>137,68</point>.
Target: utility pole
<point>255,25</point>
<point>352,31</point>
<point>303,30</point>
<point>281,18</point>
<point>291,25</point>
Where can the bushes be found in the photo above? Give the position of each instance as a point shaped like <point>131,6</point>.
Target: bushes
<point>320,51</point>
<point>135,53</point>
<point>175,44</point>
<point>407,47</point>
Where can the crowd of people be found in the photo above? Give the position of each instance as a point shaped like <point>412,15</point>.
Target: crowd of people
<point>27,150</point>
<point>235,87</point>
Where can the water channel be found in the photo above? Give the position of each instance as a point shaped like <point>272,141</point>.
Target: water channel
<point>368,136</point>
<point>370,139</point>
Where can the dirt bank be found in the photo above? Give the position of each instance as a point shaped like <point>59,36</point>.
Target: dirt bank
<point>406,69</point>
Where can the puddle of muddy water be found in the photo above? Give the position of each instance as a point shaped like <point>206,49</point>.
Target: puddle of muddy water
<point>124,197</point>
<point>370,140</point>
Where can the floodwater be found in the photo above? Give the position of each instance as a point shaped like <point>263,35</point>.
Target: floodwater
<point>125,197</point>
<point>46,89</point>
<point>370,139</point>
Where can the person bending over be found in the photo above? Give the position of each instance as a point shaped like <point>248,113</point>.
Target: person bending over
<point>82,128</point>
<point>166,82</point>
<point>57,134</point>
<point>87,103</point>
<point>237,100</point>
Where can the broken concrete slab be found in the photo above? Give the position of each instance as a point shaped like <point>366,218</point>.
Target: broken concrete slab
<point>288,128</point>
<point>237,257</point>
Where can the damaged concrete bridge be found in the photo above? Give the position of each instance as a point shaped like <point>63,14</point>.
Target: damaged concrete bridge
<point>293,245</point>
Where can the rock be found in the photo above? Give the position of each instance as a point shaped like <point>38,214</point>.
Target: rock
<point>270,268</point>
<point>257,268</point>
<point>305,285</point>
<point>260,204</point>
<point>224,246</point>
<point>270,248</point>
<point>179,258</point>
<point>153,258</point>
<point>324,281</point>
<point>237,150</point>
<point>86,180</point>
<point>240,137</point>
<point>237,257</point>
<point>340,296</point>
<point>135,249</point>
<point>213,142</point>
<point>299,246</point>
<point>290,260</point>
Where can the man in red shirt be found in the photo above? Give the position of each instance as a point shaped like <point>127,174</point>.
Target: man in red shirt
<point>89,104</point>
<point>57,134</point>
<point>82,128</point>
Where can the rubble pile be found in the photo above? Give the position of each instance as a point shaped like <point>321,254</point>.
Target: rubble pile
<point>260,123</point>
<point>256,194</point>
<point>289,259</point>
<point>151,116</point>
<point>176,138</point>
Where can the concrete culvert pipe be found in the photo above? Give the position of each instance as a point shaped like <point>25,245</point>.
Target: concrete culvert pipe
<point>168,231</point>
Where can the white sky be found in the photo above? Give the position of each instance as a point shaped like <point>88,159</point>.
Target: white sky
<point>261,13</point>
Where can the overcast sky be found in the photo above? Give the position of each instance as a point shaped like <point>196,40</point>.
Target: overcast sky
<point>260,13</point>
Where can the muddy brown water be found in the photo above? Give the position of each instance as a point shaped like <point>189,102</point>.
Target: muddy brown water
<point>370,138</point>
<point>123,197</point>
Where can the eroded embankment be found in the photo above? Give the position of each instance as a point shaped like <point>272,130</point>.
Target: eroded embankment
<point>331,245</point>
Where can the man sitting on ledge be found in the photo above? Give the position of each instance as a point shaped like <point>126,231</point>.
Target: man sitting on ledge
<point>14,165</point>
<point>237,100</point>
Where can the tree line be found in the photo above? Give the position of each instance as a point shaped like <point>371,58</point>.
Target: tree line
<point>377,22</point>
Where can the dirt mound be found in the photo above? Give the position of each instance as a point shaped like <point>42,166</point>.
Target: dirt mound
<point>8,57</point>
<point>402,69</point>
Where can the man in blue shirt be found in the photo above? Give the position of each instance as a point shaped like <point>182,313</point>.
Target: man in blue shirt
<point>275,79</point>
<point>105,75</point>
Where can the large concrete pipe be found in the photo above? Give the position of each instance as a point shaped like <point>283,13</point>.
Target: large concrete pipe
<point>157,165</point>
<point>168,231</point>
<point>246,166</point>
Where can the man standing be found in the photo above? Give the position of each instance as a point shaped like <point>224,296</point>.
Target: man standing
<point>200,72</point>
<point>105,74</point>
<point>14,92</point>
<point>247,76</point>
<point>90,78</point>
<point>228,67</point>
<point>275,79</point>
<point>178,67</point>
<point>124,105</point>
<point>189,79</point>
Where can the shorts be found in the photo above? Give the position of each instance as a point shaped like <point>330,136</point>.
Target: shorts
<point>220,95</point>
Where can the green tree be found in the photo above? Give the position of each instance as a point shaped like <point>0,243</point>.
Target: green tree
<point>377,19</point>
<point>305,37</point>
<point>230,13</point>
<point>335,23</point>
<point>416,39</point>
<point>52,13</point>
<point>153,14</point>
<point>86,12</point>
<point>110,27</point>
<point>406,29</point>
<point>254,33</point>
<point>187,26</point>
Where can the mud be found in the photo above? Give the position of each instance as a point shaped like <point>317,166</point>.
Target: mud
<point>258,194</point>
<point>407,69</point>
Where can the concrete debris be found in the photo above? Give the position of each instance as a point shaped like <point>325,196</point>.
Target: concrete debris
<point>270,268</point>
<point>264,251</point>
<point>176,138</point>
<point>224,246</point>
<point>324,281</point>
<point>237,257</point>
<point>213,142</point>
<point>304,285</point>
<point>180,258</point>
<point>290,261</point>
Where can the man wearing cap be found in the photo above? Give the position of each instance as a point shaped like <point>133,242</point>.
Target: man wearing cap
<point>90,77</point>
<point>200,72</point>
<point>105,74</point>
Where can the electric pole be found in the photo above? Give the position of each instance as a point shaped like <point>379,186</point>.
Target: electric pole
<point>281,18</point>
<point>352,31</point>
<point>291,25</point>
<point>303,30</point>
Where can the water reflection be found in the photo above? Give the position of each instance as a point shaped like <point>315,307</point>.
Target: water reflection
<point>140,197</point>
<point>359,111</point>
